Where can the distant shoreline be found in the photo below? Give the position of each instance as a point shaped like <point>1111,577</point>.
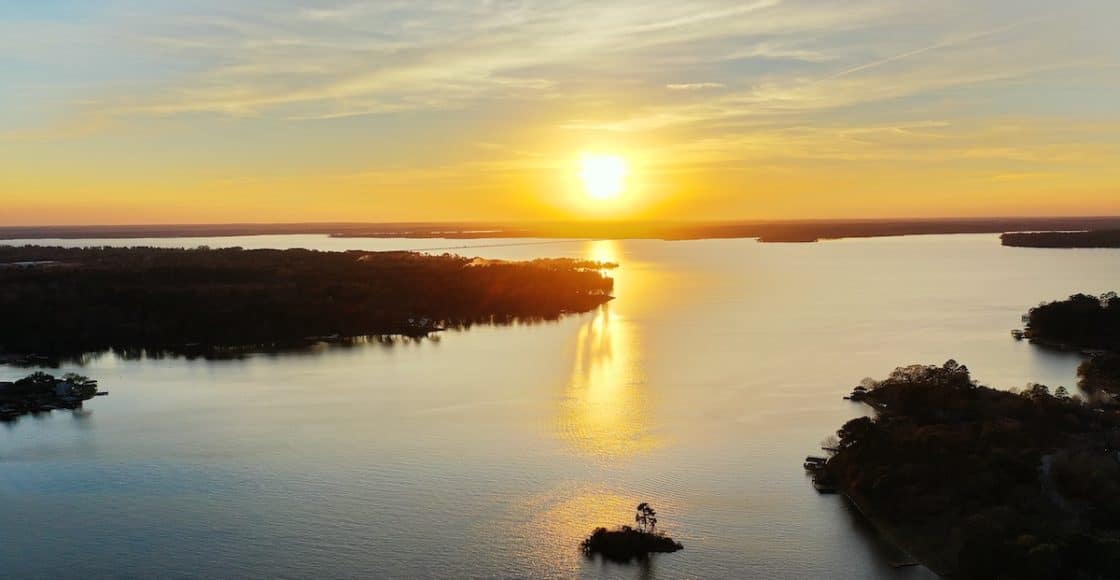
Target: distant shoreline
<point>803,231</point>
<point>1100,238</point>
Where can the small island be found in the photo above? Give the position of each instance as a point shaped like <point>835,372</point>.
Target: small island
<point>976,482</point>
<point>41,392</point>
<point>1108,238</point>
<point>64,302</point>
<point>627,543</point>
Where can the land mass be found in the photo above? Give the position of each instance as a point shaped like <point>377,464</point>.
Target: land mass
<point>1085,239</point>
<point>41,392</point>
<point>64,302</point>
<point>626,544</point>
<point>766,231</point>
<point>982,483</point>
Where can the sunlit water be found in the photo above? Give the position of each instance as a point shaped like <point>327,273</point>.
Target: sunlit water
<point>491,452</point>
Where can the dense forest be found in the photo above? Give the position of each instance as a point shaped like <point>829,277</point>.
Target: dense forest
<point>983,483</point>
<point>58,301</point>
<point>1089,239</point>
<point>1081,321</point>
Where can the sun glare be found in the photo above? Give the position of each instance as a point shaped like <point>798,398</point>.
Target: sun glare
<point>604,176</point>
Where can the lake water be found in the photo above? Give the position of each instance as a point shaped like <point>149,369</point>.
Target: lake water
<point>492,452</point>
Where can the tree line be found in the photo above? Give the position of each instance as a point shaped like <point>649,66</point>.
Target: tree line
<point>67,301</point>
<point>1104,238</point>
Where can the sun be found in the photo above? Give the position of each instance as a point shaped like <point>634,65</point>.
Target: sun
<point>604,176</point>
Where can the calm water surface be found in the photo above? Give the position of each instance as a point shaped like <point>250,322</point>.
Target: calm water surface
<point>491,452</point>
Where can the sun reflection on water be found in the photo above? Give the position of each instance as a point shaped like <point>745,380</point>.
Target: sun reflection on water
<point>555,522</point>
<point>605,412</point>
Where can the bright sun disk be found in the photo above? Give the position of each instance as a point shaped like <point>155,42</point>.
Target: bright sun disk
<point>604,176</point>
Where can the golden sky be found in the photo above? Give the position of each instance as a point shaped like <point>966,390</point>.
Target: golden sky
<point>122,111</point>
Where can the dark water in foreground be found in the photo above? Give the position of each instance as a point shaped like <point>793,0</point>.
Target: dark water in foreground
<point>491,452</point>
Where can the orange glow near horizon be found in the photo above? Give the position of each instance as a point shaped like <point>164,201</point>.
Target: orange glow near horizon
<point>899,110</point>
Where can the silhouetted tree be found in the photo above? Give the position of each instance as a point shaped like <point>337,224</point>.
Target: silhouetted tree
<point>646,518</point>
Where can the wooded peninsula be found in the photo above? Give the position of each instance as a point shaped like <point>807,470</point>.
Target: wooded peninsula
<point>1081,322</point>
<point>64,302</point>
<point>977,482</point>
<point>983,483</point>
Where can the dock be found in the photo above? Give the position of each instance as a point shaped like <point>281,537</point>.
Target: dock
<point>824,487</point>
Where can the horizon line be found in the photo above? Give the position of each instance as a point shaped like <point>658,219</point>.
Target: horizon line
<point>740,221</point>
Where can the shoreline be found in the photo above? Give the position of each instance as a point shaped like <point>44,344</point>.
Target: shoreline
<point>896,537</point>
<point>893,535</point>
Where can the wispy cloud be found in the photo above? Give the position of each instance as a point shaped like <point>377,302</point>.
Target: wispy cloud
<point>693,86</point>
<point>353,87</point>
<point>245,61</point>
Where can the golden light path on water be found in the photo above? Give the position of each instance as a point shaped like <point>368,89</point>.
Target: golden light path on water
<point>556,521</point>
<point>605,409</point>
<point>603,419</point>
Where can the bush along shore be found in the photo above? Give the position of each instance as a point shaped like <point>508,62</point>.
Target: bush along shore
<point>41,392</point>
